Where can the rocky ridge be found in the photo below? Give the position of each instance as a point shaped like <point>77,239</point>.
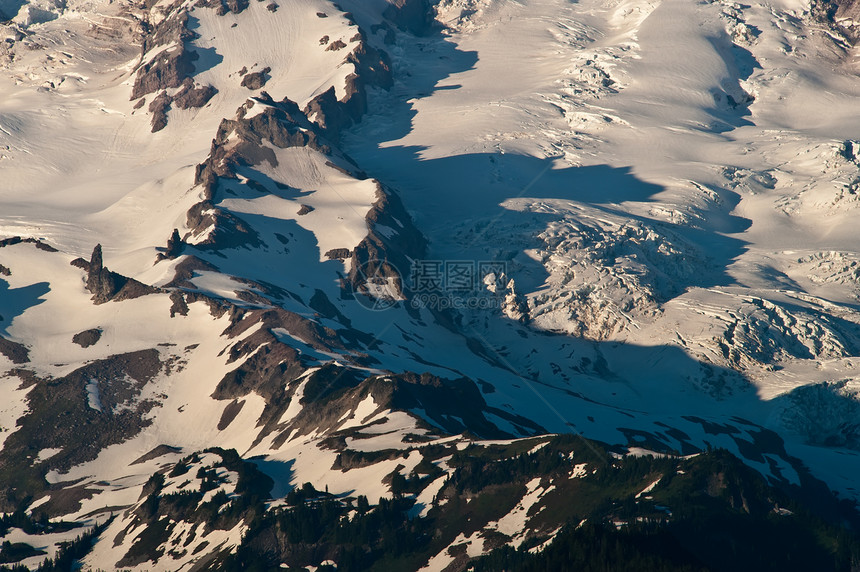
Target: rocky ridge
<point>250,374</point>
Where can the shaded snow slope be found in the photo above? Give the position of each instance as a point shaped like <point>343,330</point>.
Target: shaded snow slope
<point>667,187</point>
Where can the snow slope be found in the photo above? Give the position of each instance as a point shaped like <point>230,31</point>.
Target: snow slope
<point>669,186</point>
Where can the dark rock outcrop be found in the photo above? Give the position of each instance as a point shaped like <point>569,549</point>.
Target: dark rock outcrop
<point>61,416</point>
<point>187,97</point>
<point>223,229</point>
<point>280,123</point>
<point>239,142</point>
<point>329,113</point>
<point>101,282</point>
<point>456,405</point>
<point>338,254</point>
<point>256,80</point>
<point>335,46</point>
<point>184,271</point>
<point>87,338</point>
<point>34,241</point>
<point>15,352</point>
<point>166,70</point>
<point>106,285</point>
<point>847,17</point>
<point>381,256</point>
<point>221,7</point>
<point>174,248</point>
<point>172,67</point>
<point>191,96</point>
<point>158,107</point>
<point>373,68</point>
<point>268,364</point>
<point>843,15</point>
<point>170,30</point>
<point>179,306</point>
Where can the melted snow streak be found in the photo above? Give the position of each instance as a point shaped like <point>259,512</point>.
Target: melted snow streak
<point>667,190</point>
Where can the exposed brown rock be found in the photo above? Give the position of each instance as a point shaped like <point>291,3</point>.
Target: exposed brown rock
<point>388,257</point>
<point>847,17</point>
<point>67,500</point>
<point>87,338</point>
<point>256,80</point>
<point>171,30</point>
<point>101,282</point>
<point>221,7</point>
<point>59,415</point>
<point>15,352</point>
<point>106,285</point>
<point>844,15</point>
<point>236,6</point>
<point>159,108</point>
<point>267,364</point>
<point>338,254</point>
<point>172,67</point>
<point>167,70</point>
<point>372,68</point>
<point>179,305</point>
<point>193,97</point>
<point>329,113</point>
<point>281,124</point>
<point>224,229</point>
<point>11,241</point>
<point>265,372</point>
<point>305,209</point>
<point>43,246</point>
<point>455,405</point>
<point>80,263</point>
<point>174,248</point>
<point>335,46</point>
<point>184,271</point>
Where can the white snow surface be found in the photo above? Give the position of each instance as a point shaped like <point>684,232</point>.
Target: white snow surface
<point>668,184</point>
